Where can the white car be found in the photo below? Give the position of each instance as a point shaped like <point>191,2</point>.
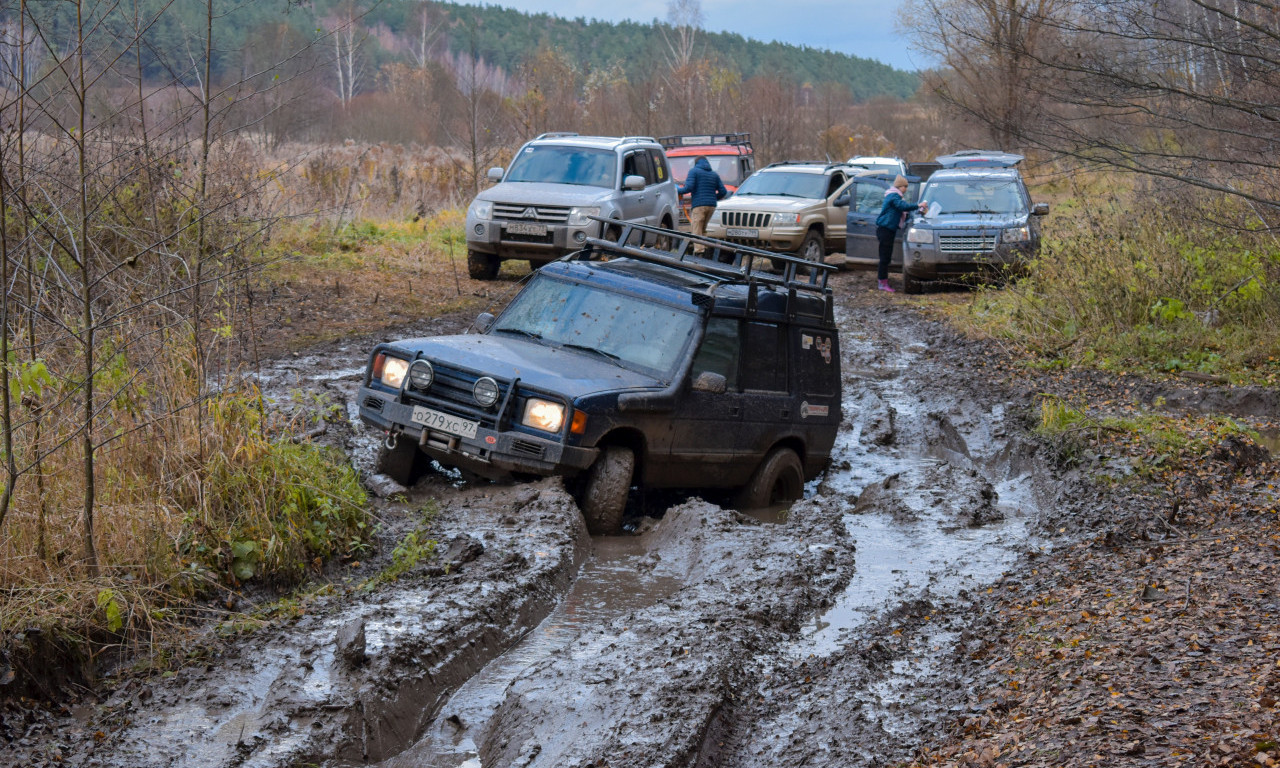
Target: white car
<point>895,165</point>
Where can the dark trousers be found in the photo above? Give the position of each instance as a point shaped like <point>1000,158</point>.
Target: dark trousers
<point>885,236</point>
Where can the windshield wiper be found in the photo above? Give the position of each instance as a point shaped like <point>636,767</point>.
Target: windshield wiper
<point>606,355</point>
<point>520,332</point>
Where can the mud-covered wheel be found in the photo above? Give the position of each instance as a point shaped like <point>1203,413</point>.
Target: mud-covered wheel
<point>812,249</point>
<point>603,494</point>
<point>778,480</point>
<point>482,266</point>
<point>663,242</point>
<point>404,463</point>
<point>612,231</point>
<point>910,284</point>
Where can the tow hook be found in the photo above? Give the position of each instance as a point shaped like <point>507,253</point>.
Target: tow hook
<point>392,439</point>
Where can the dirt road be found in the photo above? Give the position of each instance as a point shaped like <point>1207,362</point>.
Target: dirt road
<point>834,634</point>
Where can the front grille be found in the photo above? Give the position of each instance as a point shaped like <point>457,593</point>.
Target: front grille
<point>373,403</point>
<point>543,214</point>
<point>524,448</point>
<point>745,219</point>
<point>451,392</point>
<point>966,243</point>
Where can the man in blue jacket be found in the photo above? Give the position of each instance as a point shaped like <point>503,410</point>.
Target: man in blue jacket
<point>892,214</point>
<point>704,188</point>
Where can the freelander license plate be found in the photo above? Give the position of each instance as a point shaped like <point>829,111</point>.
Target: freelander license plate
<point>740,232</point>
<point>521,228</point>
<point>432,419</point>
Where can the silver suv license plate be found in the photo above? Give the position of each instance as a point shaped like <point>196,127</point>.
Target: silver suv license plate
<point>520,228</point>
<point>433,419</point>
<point>739,232</point>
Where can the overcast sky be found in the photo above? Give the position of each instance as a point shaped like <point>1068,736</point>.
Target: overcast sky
<point>858,27</point>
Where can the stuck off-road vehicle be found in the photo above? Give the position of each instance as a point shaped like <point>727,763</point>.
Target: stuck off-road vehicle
<point>622,366</point>
<point>556,190</point>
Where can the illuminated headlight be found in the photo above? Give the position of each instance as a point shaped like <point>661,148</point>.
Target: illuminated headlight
<point>393,371</point>
<point>578,216</point>
<point>485,391</point>
<point>481,209</point>
<point>1016,235</point>
<point>421,374</point>
<point>543,414</point>
<point>917,235</point>
<point>785,218</point>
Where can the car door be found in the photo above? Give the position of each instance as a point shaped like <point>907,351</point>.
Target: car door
<point>835,214</point>
<point>636,204</point>
<point>768,407</point>
<point>866,198</point>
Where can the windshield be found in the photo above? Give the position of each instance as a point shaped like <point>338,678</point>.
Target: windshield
<point>564,165</point>
<point>785,183</point>
<point>975,196</point>
<point>726,166</point>
<point>630,331</point>
<point>878,167</point>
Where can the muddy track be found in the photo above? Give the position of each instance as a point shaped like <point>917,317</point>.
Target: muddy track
<point>708,638</point>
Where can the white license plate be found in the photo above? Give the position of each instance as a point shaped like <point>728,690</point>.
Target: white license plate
<point>521,228</point>
<point>432,419</point>
<point>740,232</point>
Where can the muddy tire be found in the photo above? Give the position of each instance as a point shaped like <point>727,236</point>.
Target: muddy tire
<point>603,494</point>
<point>482,266</point>
<point>778,479</point>
<point>812,248</point>
<point>910,285</point>
<point>404,463</point>
<point>663,242</point>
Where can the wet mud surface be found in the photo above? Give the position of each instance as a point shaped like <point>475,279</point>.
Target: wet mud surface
<point>824,635</point>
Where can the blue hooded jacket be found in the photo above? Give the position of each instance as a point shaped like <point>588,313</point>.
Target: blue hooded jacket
<point>894,207</point>
<point>703,185</point>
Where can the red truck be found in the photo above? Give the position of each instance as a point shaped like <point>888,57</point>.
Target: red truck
<point>730,155</point>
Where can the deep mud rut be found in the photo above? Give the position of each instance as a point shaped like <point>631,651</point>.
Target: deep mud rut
<point>814,637</point>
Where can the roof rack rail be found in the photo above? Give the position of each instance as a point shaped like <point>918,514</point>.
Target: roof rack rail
<point>703,139</point>
<point>637,139</point>
<point>727,263</point>
<point>555,135</point>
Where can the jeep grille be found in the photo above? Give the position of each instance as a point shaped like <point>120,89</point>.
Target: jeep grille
<point>451,392</point>
<point>966,243</point>
<point>544,214</point>
<point>745,219</point>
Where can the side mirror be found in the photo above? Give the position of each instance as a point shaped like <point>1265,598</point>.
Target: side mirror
<point>495,174</point>
<point>1040,209</point>
<point>633,182</point>
<point>483,321</point>
<point>841,201</point>
<point>708,381</point>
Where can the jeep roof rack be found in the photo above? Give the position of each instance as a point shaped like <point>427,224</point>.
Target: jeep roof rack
<point>555,135</point>
<point>824,163</point>
<point>637,139</point>
<point>729,263</point>
<point>703,139</point>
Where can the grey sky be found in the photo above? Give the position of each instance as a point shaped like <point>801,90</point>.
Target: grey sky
<point>858,27</point>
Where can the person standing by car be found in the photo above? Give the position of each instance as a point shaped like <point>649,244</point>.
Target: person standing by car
<point>892,214</point>
<point>704,188</point>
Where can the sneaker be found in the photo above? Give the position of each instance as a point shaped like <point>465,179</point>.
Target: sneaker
<point>884,286</point>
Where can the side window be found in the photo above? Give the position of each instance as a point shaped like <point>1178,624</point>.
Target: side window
<point>868,198</point>
<point>815,364</point>
<point>719,351</point>
<point>645,166</point>
<point>837,181</point>
<point>766,370</point>
<point>659,160</point>
<point>631,166</point>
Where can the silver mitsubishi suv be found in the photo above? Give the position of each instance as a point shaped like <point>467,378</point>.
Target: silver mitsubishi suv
<point>542,206</point>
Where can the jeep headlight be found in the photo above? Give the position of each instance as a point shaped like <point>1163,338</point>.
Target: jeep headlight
<point>543,414</point>
<point>481,209</point>
<point>785,218</point>
<point>390,370</point>
<point>918,235</point>
<point>578,216</point>
<point>1016,235</point>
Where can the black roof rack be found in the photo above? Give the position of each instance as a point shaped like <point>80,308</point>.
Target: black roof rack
<point>724,262</point>
<point>825,164</point>
<point>704,139</point>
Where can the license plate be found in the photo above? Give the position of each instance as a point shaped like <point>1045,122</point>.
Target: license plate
<point>740,232</point>
<point>432,419</point>
<point>521,228</point>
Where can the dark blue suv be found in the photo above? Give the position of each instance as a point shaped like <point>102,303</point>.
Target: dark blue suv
<point>622,365</point>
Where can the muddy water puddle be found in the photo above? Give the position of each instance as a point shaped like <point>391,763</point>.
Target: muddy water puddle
<point>612,584</point>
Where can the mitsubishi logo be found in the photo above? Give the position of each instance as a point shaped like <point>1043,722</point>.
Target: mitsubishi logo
<point>529,213</point>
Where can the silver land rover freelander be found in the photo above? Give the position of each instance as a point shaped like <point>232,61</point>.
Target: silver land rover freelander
<point>541,208</point>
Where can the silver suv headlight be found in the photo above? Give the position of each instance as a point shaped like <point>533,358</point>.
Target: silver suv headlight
<point>578,216</point>
<point>786,218</point>
<point>917,235</point>
<point>1016,235</point>
<point>481,209</point>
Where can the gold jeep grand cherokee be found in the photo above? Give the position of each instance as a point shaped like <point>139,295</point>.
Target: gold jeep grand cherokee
<point>789,207</point>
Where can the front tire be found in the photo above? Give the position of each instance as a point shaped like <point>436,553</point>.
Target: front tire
<point>482,266</point>
<point>812,248</point>
<point>779,479</point>
<point>404,463</point>
<point>603,496</point>
<point>911,285</point>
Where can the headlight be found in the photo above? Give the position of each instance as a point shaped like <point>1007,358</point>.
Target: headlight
<point>578,216</point>
<point>485,391</point>
<point>481,209</point>
<point>785,218</point>
<point>917,235</point>
<point>543,414</point>
<point>1016,235</point>
<point>421,374</point>
<point>390,370</point>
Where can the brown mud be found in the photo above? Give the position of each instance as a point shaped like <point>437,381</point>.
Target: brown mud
<point>857,628</point>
